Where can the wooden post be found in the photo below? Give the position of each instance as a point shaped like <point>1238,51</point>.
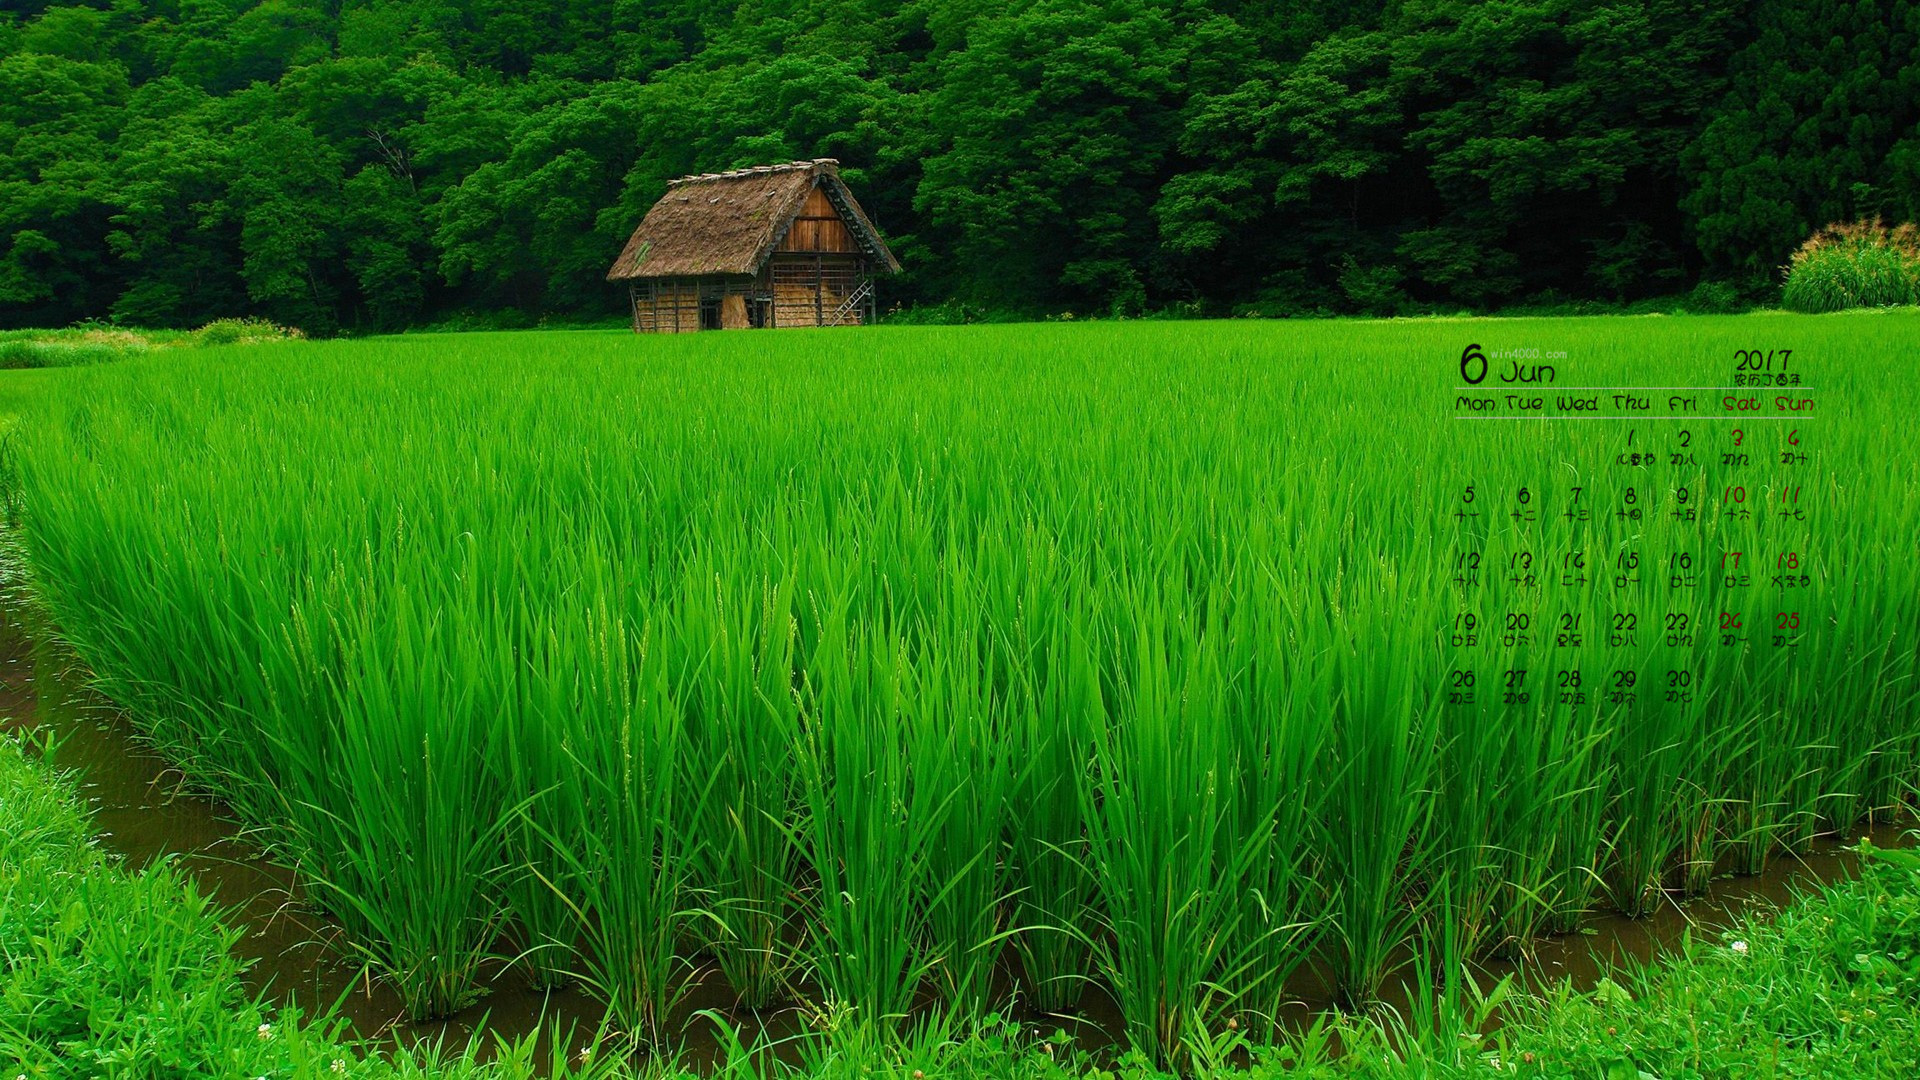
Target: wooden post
<point>819,288</point>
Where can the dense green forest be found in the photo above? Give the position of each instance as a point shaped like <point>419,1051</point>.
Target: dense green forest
<point>373,164</point>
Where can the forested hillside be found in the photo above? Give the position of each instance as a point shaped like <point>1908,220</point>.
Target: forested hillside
<point>372,164</point>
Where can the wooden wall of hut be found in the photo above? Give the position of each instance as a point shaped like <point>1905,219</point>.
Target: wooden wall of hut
<point>818,227</point>
<point>667,307</point>
<point>808,290</point>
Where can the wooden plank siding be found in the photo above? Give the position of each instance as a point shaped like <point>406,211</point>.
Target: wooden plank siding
<point>818,227</point>
<point>808,289</point>
<point>667,307</point>
<point>796,289</point>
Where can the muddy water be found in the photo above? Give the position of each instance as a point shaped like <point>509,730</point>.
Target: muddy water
<point>145,811</point>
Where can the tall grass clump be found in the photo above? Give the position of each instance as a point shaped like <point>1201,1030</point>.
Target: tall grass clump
<point>1280,709</point>
<point>1052,726</point>
<point>396,852</point>
<point>1383,839</point>
<point>1854,264</point>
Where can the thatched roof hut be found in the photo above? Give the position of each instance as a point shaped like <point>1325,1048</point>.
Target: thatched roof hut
<point>774,245</point>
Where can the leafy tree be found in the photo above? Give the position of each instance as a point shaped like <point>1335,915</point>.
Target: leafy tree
<point>528,230</point>
<point>58,120</point>
<point>1821,124</point>
<point>388,246</point>
<point>226,45</point>
<point>1272,207</point>
<point>181,259</point>
<point>285,193</point>
<point>1061,116</point>
<point>1551,133</point>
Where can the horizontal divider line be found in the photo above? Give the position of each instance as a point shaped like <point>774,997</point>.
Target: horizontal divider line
<point>1802,418</point>
<point>1487,388</point>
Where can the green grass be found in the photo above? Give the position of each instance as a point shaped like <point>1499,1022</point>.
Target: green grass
<point>110,972</point>
<point>1826,988</point>
<point>859,662</point>
<point>21,391</point>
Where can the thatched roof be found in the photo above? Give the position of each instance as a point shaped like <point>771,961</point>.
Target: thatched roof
<point>729,222</point>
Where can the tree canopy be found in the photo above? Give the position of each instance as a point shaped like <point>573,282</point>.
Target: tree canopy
<point>373,164</point>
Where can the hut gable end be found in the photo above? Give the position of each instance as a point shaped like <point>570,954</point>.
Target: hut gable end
<point>819,226</point>
<point>729,223</point>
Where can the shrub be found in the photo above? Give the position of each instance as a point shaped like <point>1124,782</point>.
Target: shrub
<point>1713,298</point>
<point>244,332</point>
<point>945,313</point>
<point>1372,290</point>
<point>1862,264</point>
<point>18,354</point>
<point>44,354</point>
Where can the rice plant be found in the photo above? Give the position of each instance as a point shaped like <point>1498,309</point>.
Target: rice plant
<point>745,731</point>
<point>1279,712</point>
<point>870,910</point>
<point>1051,731</point>
<point>1168,855</point>
<point>630,872</point>
<point>961,768</point>
<point>1382,835</point>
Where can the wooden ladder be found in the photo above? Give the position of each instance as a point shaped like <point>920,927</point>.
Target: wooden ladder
<point>852,302</point>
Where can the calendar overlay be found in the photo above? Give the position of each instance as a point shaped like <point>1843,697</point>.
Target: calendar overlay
<point>1655,552</point>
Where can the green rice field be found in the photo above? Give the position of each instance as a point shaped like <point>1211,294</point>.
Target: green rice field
<point>901,671</point>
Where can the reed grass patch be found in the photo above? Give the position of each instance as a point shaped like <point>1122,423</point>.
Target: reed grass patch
<point>1855,264</point>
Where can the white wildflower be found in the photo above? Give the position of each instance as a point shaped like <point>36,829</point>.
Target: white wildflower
<point>1739,947</point>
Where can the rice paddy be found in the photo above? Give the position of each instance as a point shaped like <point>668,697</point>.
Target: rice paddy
<point>896,672</point>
